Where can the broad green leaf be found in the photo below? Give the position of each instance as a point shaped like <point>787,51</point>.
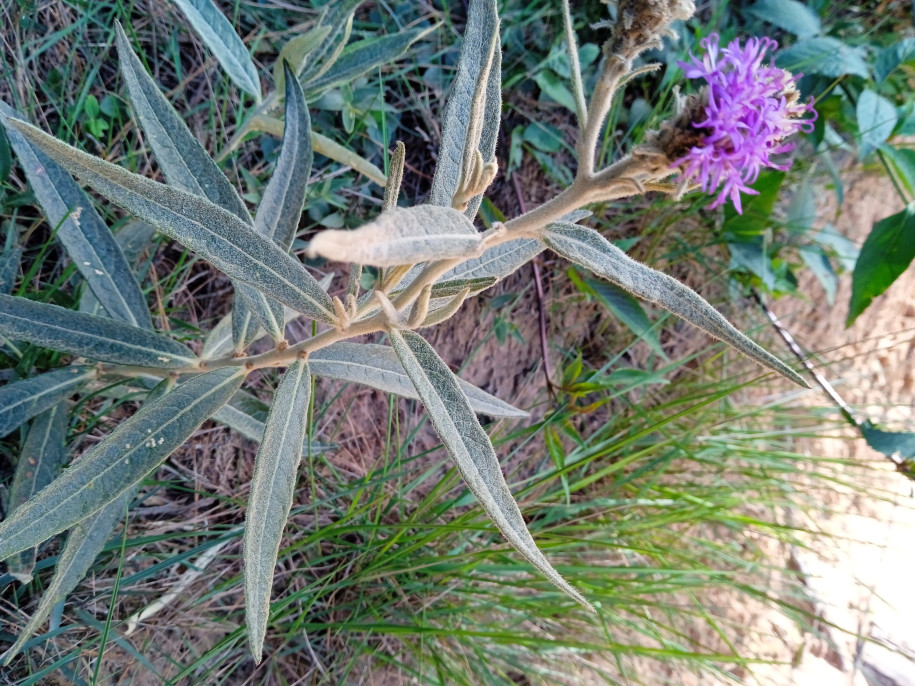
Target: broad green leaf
<point>591,250</point>
<point>43,454</point>
<point>21,400</point>
<point>296,52</point>
<point>9,269</point>
<point>84,543</point>
<point>890,443</point>
<point>272,489</point>
<point>888,250</point>
<point>823,55</point>
<point>377,366</point>
<point>627,309</point>
<point>876,120</point>
<point>281,205</point>
<point>482,30</point>
<point>185,163</point>
<point>470,447</point>
<point>364,56</point>
<point>216,234</point>
<point>401,236</point>
<point>117,464</point>
<point>80,229</point>
<point>236,415</point>
<point>889,59</point>
<point>97,338</point>
<point>339,18</point>
<point>216,31</point>
<point>790,15</point>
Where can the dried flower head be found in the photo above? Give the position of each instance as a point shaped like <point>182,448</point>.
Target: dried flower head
<point>740,120</point>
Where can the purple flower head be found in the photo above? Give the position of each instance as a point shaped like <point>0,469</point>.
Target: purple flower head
<point>750,110</point>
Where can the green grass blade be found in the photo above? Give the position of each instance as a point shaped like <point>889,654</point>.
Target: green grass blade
<point>378,366</point>
<point>43,454</point>
<point>470,447</point>
<point>83,545</point>
<point>272,489</point>
<point>122,460</point>
<point>80,229</point>
<point>216,234</point>
<point>22,400</point>
<point>364,56</point>
<point>97,338</point>
<point>589,249</point>
<point>185,163</point>
<point>281,206</point>
<point>401,236</point>
<point>216,31</point>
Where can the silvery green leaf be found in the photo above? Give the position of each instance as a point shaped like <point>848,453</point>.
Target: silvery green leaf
<point>21,400</point>
<point>272,489</point>
<point>267,312</point>
<point>364,56</point>
<point>185,163</point>
<point>117,464</point>
<point>216,234</point>
<point>245,326</point>
<point>470,447</point>
<point>339,17</point>
<point>80,229</point>
<point>218,342</point>
<point>133,238</point>
<point>482,30</point>
<point>43,454</point>
<point>497,262</point>
<point>84,543</point>
<point>296,52</point>
<point>401,236</point>
<point>216,31</point>
<point>97,338</point>
<point>591,250</point>
<point>449,289</point>
<point>236,415</point>
<point>9,269</point>
<point>281,205</point>
<point>377,366</point>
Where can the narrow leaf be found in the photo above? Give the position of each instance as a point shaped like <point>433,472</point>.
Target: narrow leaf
<point>237,416</point>
<point>245,326</point>
<point>470,448</point>
<point>281,206</point>
<point>216,31</point>
<point>377,366</point>
<point>266,312</point>
<point>272,489</point>
<point>498,261</point>
<point>338,153</point>
<point>9,269</point>
<point>22,400</point>
<point>591,250</point>
<point>216,234</point>
<point>97,338</point>
<point>83,545</point>
<point>114,466</point>
<point>401,236</point>
<point>296,52</point>
<point>43,454</point>
<point>184,161</point>
<point>339,19</point>
<point>482,29</point>
<point>888,251</point>
<point>364,56</point>
<point>80,229</point>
